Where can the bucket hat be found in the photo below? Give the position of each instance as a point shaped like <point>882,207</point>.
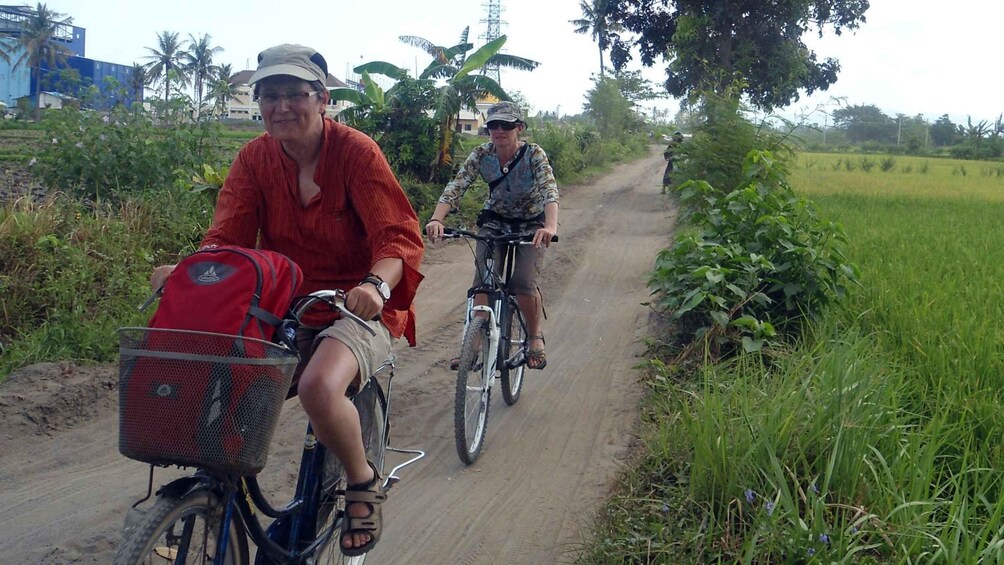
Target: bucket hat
<point>293,60</point>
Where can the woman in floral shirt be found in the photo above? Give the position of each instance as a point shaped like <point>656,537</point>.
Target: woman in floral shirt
<point>522,195</point>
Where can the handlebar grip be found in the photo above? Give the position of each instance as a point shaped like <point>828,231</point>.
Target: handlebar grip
<point>553,239</point>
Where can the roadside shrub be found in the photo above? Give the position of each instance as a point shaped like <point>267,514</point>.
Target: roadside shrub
<point>68,277</point>
<point>564,148</point>
<point>98,156</point>
<point>757,259</point>
<point>887,164</point>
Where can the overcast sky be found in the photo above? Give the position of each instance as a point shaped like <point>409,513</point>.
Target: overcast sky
<point>912,56</point>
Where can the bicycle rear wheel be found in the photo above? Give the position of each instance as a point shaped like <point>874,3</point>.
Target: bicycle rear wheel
<point>372,406</point>
<point>473,398</point>
<point>512,353</point>
<point>182,530</point>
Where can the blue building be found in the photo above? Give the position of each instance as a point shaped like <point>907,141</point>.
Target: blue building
<point>17,82</point>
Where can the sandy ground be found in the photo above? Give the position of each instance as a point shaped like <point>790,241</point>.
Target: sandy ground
<point>547,463</point>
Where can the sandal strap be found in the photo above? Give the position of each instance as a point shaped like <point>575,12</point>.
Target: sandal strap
<point>540,337</point>
<point>368,496</point>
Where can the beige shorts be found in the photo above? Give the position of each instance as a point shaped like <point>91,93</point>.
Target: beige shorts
<point>369,350</point>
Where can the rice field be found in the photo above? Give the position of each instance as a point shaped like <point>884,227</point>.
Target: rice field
<point>876,440</point>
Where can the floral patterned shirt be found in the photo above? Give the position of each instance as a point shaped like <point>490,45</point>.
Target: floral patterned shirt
<point>522,194</point>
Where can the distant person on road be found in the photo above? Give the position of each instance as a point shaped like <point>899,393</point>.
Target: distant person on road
<point>324,195</point>
<point>671,154</point>
<point>522,195</point>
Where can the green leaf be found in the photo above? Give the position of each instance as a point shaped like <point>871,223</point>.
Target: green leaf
<point>720,317</point>
<point>751,345</point>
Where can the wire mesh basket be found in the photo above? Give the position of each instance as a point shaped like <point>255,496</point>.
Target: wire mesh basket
<point>199,399</point>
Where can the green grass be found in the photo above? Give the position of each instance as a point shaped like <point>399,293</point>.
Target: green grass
<point>874,440</point>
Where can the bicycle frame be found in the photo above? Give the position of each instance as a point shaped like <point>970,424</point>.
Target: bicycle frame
<point>495,287</point>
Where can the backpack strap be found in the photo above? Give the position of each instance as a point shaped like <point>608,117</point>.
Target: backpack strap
<point>512,165</point>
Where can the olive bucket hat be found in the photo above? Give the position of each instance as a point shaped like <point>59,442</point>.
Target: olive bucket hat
<point>293,60</point>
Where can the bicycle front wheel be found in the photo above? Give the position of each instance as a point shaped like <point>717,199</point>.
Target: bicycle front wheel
<point>182,530</point>
<point>512,353</point>
<point>470,411</point>
<point>371,405</point>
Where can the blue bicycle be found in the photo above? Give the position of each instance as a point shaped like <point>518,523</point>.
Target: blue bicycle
<point>209,516</point>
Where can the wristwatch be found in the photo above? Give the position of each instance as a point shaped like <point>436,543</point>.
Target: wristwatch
<point>382,287</point>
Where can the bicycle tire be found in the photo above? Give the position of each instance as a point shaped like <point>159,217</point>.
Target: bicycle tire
<point>372,406</point>
<point>473,397</point>
<point>155,538</point>
<point>512,351</point>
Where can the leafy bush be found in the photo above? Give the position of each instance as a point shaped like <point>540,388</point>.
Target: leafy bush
<point>100,156</point>
<point>757,259</point>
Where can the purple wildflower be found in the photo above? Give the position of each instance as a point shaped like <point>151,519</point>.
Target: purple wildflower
<point>750,495</point>
<point>770,508</point>
<point>824,538</point>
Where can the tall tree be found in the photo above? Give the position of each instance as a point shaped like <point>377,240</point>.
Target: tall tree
<point>596,22</point>
<point>137,82</point>
<point>862,123</point>
<point>166,61</point>
<point>943,131</point>
<point>34,42</point>
<point>223,90</point>
<point>462,87</point>
<point>712,45</point>
<point>199,65</point>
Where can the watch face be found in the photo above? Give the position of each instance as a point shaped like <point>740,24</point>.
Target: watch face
<point>384,290</point>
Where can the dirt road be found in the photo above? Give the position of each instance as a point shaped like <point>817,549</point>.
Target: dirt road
<point>547,461</point>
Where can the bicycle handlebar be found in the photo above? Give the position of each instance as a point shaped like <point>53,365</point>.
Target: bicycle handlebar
<point>518,237</point>
<point>334,299</point>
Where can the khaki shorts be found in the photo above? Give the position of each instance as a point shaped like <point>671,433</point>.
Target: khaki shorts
<point>369,350</point>
<point>526,268</point>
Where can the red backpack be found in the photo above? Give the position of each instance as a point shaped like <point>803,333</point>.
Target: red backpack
<point>229,290</point>
<point>201,400</point>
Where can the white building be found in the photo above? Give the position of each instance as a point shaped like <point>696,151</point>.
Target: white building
<point>243,107</point>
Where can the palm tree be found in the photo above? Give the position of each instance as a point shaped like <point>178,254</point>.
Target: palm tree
<point>199,65</point>
<point>222,89</point>
<point>166,62</point>
<point>595,21</point>
<point>35,42</point>
<point>137,82</point>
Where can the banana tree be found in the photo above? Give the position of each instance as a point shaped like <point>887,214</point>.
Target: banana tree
<point>372,99</point>
<point>462,89</point>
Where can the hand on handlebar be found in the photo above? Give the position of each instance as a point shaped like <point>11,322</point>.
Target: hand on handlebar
<point>434,230</point>
<point>364,301</point>
<point>543,236</point>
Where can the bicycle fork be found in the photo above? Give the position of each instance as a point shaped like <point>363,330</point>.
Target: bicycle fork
<point>493,339</point>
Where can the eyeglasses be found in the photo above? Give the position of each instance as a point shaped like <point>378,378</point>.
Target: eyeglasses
<point>291,98</point>
<point>507,126</point>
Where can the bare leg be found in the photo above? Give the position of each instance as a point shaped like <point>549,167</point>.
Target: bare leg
<point>326,378</point>
<point>532,307</point>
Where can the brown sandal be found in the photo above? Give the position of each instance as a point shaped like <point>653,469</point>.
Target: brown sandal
<point>535,358</point>
<point>372,495</point>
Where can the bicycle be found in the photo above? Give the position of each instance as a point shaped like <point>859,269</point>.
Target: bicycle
<point>207,517</point>
<point>498,333</point>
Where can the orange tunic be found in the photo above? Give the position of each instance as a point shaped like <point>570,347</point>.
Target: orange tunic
<point>360,216</point>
